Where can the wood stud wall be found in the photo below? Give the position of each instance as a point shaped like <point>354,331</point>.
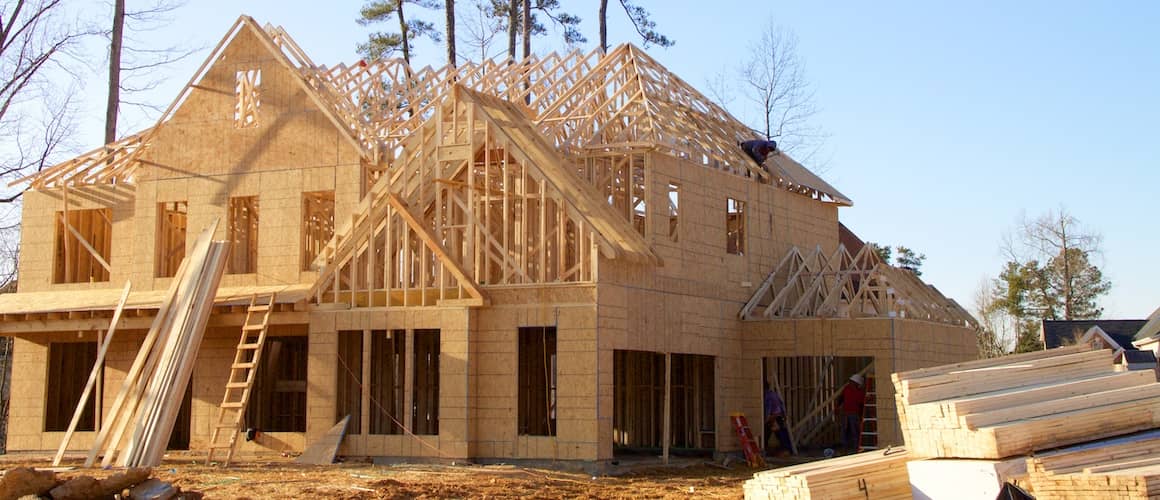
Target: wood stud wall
<point>83,245</point>
<point>172,219</point>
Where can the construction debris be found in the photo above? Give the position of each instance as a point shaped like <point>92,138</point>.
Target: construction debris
<point>322,451</point>
<point>23,481</point>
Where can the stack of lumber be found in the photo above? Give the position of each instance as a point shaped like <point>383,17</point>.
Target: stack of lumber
<point>877,474</point>
<point>1126,467</point>
<point>151,394</point>
<point>1003,407</point>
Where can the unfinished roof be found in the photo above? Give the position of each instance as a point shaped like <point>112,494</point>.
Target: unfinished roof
<point>582,102</point>
<point>842,285</point>
<point>451,189</point>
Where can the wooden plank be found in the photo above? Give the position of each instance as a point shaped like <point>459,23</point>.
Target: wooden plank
<point>323,450</point>
<point>92,376</point>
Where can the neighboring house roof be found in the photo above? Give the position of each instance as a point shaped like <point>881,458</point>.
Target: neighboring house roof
<point>1151,329</point>
<point>1139,357</point>
<point>1058,333</point>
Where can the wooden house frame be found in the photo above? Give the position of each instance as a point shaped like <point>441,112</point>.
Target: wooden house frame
<point>504,260</point>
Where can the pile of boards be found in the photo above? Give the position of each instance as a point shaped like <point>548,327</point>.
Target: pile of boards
<point>876,474</point>
<point>1063,423</point>
<point>150,395</point>
<point>1126,467</point>
<point>1014,405</point>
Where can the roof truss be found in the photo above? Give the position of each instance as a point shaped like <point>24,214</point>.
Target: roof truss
<point>582,102</point>
<point>820,285</point>
<point>492,201</point>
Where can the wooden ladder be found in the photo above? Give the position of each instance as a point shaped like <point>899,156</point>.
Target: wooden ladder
<point>232,411</point>
<point>868,430</point>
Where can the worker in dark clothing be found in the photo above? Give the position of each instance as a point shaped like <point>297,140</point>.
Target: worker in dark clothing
<point>759,150</point>
<point>775,421</point>
<point>850,405</point>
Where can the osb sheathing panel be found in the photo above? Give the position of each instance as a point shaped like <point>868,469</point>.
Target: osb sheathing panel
<point>38,234</point>
<point>895,345</point>
<point>496,354</point>
<point>30,358</point>
<point>291,132</point>
<point>323,370</point>
<point>698,263</point>
<point>201,157</point>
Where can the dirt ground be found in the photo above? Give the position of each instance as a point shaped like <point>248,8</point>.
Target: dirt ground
<point>260,479</point>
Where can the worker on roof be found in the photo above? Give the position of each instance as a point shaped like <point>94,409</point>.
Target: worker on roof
<point>759,150</point>
<point>851,403</point>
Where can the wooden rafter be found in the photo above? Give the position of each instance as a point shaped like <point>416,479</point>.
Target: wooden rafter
<point>491,200</point>
<point>844,285</point>
<point>582,102</point>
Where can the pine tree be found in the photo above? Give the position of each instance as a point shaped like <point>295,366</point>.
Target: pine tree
<point>383,44</point>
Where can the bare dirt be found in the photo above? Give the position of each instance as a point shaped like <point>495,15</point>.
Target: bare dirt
<point>258,479</point>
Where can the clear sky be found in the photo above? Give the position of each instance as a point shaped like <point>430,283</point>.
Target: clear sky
<point>947,120</point>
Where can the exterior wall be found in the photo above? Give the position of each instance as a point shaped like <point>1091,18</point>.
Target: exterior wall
<point>698,263</point>
<point>212,368</point>
<point>895,344</point>
<point>201,157</point>
<point>323,372</point>
<point>495,387</point>
<point>38,234</point>
<point>478,383</point>
<point>690,304</point>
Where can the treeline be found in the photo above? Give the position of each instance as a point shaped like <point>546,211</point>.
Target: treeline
<point>521,20</point>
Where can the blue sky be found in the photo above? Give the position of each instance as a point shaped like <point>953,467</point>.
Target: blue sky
<point>947,121</point>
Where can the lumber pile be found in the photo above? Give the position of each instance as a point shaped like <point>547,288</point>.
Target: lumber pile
<point>1014,405</point>
<point>150,396</point>
<point>1122,468</point>
<point>879,474</point>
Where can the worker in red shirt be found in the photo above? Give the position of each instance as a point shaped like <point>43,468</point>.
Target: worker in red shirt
<point>851,402</point>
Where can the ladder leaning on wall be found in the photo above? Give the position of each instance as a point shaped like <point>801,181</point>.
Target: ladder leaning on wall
<point>868,429</point>
<point>232,412</point>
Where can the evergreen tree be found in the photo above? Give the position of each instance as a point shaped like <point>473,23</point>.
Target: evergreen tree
<point>383,44</point>
<point>910,260</point>
<point>641,20</point>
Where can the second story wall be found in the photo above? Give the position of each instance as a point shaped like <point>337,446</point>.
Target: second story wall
<point>706,256</point>
<point>247,145</point>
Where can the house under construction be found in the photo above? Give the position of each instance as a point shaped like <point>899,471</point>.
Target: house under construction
<point>562,257</point>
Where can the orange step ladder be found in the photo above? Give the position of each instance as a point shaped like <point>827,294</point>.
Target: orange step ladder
<point>748,444</point>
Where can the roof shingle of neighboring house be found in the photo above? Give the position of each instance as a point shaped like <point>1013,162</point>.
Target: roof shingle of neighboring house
<point>1058,333</point>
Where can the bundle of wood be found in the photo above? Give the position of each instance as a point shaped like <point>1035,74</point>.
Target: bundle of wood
<point>150,396</point>
<point>1126,467</point>
<point>1003,407</point>
<point>877,474</point>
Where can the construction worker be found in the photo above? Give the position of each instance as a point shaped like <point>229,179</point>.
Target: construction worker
<point>851,402</point>
<point>775,421</point>
<point>758,149</point>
